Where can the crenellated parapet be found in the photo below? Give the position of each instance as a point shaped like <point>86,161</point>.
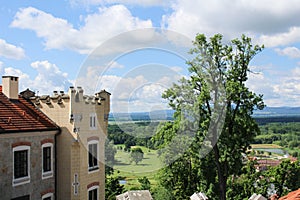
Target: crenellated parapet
<point>75,94</point>
<point>56,97</point>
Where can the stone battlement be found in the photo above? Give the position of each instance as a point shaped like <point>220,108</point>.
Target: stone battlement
<point>61,97</point>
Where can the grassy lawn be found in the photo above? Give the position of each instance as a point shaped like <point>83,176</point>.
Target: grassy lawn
<point>147,167</point>
<point>265,146</point>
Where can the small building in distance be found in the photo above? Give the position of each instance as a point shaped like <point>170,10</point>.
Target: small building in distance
<point>199,196</point>
<point>257,197</point>
<point>27,147</point>
<point>135,195</point>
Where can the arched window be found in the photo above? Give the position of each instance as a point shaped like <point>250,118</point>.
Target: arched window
<point>93,193</point>
<point>48,196</point>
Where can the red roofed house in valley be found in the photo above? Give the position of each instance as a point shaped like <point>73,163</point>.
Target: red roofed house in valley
<point>27,147</point>
<point>295,195</point>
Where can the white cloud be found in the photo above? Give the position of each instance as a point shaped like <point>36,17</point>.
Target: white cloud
<point>1,68</point>
<point>232,18</point>
<point>292,52</point>
<point>281,89</point>
<point>98,27</point>
<point>177,69</point>
<point>115,65</point>
<point>280,39</point>
<point>11,51</point>
<point>289,86</point>
<point>136,90</point>
<point>48,79</point>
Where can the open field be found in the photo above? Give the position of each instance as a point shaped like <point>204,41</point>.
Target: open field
<point>147,167</point>
<point>265,146</point>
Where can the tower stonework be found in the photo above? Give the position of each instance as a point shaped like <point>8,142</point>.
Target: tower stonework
<point>83,121</point>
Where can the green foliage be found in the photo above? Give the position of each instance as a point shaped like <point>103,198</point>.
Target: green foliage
<point>285,177</point>
<point>286,135</point>
<point>145,183</point>
<point>137,155</point>
<point>161,193</point>
<point>113,188</point>
<point>131,134</point>
<point>110,152</point>
<point>217,83</point>
<point>281,180</point>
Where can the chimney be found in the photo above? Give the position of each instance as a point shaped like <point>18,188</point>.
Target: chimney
<point>10,86</point>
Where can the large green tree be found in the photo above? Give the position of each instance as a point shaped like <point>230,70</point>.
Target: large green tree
<point>136,155</point>
<point>215,106</point>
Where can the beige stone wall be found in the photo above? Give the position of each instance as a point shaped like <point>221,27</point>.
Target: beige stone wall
<point>72,151</point>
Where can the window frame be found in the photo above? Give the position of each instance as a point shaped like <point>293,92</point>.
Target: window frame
<point>47,174</point>
<point>95,167</point>
<point>21,197</point>
<point>93,121</point>
<point>50,194</point>
<point>95,187</point>
<point>25,179</point>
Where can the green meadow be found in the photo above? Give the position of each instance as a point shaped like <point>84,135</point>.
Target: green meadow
<point>148,167</point>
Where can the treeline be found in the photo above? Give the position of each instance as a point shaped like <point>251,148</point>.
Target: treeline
<point>286,135</point>
<point>277,119</point>
<point>131,134</point>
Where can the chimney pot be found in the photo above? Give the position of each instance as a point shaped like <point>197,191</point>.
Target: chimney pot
<point>10,86</point>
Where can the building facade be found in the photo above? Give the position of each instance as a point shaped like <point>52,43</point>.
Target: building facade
<point>27,147</point>
<point>83,122</point>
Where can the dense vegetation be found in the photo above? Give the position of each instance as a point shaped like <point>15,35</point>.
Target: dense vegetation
<point>203,148</point>
<point>131,134</point>
<point>284,134</point>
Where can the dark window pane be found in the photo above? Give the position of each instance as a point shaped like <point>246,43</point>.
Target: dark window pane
<point>20,164</point>
<point>27,197</point>
<point>93,194</point>
<point>93,161</point>
<point>46,159</point>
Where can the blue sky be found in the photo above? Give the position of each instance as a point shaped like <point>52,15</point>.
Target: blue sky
<point>50,45</point>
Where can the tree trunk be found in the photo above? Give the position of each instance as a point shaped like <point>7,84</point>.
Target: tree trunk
<point>221,175</point>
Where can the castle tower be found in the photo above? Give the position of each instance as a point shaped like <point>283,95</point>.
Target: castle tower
<point>80,146</point>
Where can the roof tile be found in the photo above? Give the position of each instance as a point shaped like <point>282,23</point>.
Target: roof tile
<point>295,195</point>
<point>22,115</point>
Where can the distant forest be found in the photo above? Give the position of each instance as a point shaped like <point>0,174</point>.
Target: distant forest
<point>283,131</point>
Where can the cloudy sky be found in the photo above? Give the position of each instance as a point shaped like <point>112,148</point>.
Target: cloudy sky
<point>136,49</point>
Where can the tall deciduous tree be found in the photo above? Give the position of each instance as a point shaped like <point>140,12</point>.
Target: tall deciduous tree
<point>222,106</point>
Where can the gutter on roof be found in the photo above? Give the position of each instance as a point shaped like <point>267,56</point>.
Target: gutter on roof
<point>29,130</point>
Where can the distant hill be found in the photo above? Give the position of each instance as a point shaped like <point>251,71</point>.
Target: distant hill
<point>278,111</point>
<point>269,114</point>
<point>142,116</point>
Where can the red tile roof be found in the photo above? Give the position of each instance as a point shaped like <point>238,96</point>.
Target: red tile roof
<point>21,115</point>
<point>295,195</point>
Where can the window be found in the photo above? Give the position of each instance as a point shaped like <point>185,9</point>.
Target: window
<point>27,197</point>
<point>93,120</point>
<point>21,169</point>
<point>93,193</point>
<point>48,196</point>
<point>47,160</point>
<point>93,155</point>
